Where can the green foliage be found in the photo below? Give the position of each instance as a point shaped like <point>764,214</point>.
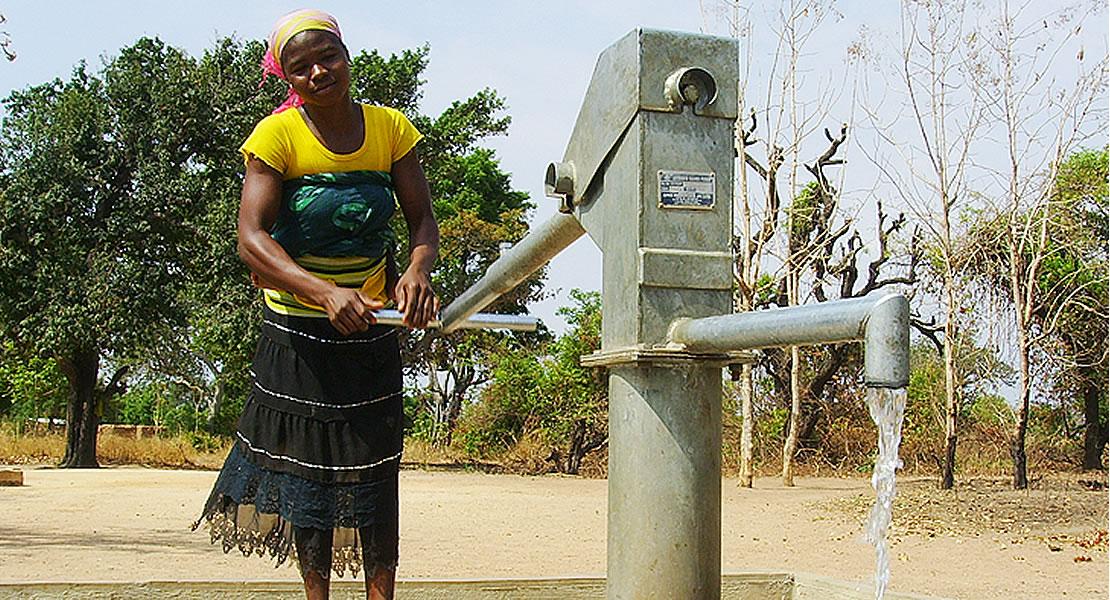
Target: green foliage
<point>140,406</point>
<point>477,211</point>
<point>393,82</point>
<point>804,211</point>
<point>545,392</point>
<point>1061,248</point>
<point>31,387</point>
<point>165,404</point>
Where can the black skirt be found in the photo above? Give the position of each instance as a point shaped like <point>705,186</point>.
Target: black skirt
<point>317,451</point>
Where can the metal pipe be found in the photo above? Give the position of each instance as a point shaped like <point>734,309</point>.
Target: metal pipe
<point>514,266</point>
<point>475,321</point>
<point>881,322</point>
<point>886,345</point>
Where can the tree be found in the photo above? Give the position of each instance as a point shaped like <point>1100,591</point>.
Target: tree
<point>31,387</point>
<point>543,389</point>
<point>1059,247</point>
<point>1075,283</point>
<point>1042,119</point>
<point>931,133</point>
<point>478,212</point>
<point>212,353</point>
<point>474,202</point>
<point>794,242</point>
<point>95,216</point>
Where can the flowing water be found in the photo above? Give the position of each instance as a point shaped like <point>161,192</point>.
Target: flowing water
<point>888,407</point>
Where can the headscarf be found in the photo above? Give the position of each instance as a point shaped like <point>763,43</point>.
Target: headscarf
<point>306,19</point>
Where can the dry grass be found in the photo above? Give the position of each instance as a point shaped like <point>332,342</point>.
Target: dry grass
<point>175,452</point>
<point>16,449</point>
<point>528,456</point>
<point>422,453</point>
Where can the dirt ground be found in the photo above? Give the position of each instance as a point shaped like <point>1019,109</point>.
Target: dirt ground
<point>984,541</point>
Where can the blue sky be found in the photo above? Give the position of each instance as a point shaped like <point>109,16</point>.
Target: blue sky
<point>538,55</point>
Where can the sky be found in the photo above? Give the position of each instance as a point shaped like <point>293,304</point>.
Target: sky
<point>538,55</point>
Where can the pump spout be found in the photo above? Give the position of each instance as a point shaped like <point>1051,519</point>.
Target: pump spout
<point>881,322</point>
<point>886,343</point>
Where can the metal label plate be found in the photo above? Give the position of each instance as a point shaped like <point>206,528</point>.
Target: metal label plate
<point>686,189</point>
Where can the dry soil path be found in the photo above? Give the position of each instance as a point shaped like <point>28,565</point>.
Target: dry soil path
<point>132,524</point>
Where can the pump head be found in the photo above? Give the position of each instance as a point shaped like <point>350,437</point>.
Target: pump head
<point>690,86</point>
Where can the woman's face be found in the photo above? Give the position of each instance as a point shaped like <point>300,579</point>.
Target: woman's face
<point>316,66</point>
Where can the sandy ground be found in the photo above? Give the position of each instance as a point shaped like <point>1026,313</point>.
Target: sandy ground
<point>984,542</point>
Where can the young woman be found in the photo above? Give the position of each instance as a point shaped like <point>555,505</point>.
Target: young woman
<point>314,467</point>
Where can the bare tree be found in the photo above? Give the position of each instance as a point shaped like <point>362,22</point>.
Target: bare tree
<point>1042,120</point>
<point>931,135</point>
<point>793,240</point>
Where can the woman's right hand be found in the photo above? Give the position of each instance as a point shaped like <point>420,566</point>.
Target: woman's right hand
<point>349,310</point>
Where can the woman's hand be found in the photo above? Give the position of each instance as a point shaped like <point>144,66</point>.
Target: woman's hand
<point>413,291</point>
<point>349,310</point>
<point>415,297</point>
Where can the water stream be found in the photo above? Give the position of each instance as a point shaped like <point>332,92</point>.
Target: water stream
<point>888,407</point>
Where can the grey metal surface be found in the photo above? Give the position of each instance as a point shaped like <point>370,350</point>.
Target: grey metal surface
<point>664,524</point>
<point>659,113</point>
<point>514,266</point>
<point>475,321</point>
<point>660,260</point>
<point>881,322</point>
<point>631,76</point>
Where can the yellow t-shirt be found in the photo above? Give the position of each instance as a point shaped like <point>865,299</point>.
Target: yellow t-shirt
<point>284,142</point>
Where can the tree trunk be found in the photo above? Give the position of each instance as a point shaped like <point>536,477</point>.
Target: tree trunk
<point>1094,432</point>
<point>217,396</point>
<point>1017,445</point>
<point>951,399</point>
<point>82,410</point>
<point>791,444</point>
<point>214,406</point>
<point>746,426</point>
<point>575,454</point>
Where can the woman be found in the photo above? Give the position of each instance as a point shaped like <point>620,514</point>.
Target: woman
<point>314,467</point>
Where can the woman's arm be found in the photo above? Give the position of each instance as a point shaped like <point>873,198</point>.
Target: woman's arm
<point>348,310</point>
<point>413,292</point>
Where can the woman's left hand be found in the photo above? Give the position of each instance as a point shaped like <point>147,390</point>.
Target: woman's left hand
<point>415,298</point>
<point>413,291</point>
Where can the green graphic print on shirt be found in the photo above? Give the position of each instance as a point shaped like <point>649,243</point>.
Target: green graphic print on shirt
<point>336,214</point>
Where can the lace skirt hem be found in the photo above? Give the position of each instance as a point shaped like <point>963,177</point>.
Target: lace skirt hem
<point>324,527</point>
<point>253,533</point>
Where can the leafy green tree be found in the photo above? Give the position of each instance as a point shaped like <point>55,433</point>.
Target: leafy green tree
<point>96,212</point>
<point>474,203</point>
<point>1061,252</point>
<point>1074,283</point>
<point>118,196</point>
<point>31,387</point>
<point>545,391</point>
<point>477,210</point>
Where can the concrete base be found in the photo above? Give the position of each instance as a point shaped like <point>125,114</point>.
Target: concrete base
<point>739,586</point>
<point>11,477</point>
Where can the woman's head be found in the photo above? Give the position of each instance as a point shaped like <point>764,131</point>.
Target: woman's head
<point>296,39</point>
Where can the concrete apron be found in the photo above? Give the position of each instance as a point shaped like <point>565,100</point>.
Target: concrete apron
<point>737,586</point>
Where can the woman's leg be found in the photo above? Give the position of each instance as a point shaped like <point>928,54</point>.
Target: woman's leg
<point>379,559</point>
<point>314,555</point>
<point>379,585</point>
